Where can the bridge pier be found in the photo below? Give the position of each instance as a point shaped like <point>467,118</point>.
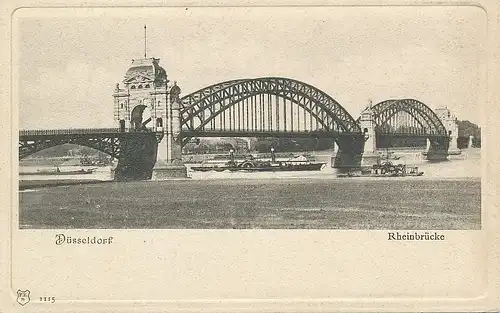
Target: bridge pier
<point>165,168</point>
<point>138,155</point>
<point>370,156</point>
<point>346,160</point>
<point>169,156</point>
<point>470,143</point>
<point>453,147</point>
<point>450,123</point>
<point>437,149</point>
<point>452,127</point>
<point>349,153</point>
<point>169,160</point>
<point>360,151</point>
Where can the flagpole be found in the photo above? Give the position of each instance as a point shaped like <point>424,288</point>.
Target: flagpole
<point>145,41</point>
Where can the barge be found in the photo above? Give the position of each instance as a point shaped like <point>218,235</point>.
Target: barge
<point>58,172</point>
<point>386,169</point>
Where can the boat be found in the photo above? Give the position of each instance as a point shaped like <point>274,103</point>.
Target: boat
<point>259,166</point>
<point>57,171</point>
<point>254,165</point>
<point>390,156</point>
<point>96,161</point>
<point>386,169</point>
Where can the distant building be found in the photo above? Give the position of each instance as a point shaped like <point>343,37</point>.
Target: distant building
<point>241,145</point>
<point>216,145</point>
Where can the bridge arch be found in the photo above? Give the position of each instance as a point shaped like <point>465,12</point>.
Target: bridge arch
<point>408,116</point>
<point>106,140</point>
<point>262,99</point>
<point>29,147</point>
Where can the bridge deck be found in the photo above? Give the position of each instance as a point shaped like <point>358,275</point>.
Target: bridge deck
<point>81,132</point>
<point>68,131</point>
<point>249,133</point>
<point>207,133</point>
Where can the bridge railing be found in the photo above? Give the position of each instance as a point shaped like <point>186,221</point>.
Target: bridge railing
<point>68,131</point>
<point>73,131</point>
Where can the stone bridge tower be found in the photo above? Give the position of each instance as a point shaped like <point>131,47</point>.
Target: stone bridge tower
<point>147,102</point>
<point>367,124</point>
<point>450,123</point>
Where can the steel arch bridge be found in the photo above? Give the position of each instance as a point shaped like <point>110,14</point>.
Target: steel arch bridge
<point>267,106</point>
<point>106,140</point>
<point>261,107</point>
<point>407,117</point>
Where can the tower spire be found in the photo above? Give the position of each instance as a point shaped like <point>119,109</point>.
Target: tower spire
<point>145,38</point>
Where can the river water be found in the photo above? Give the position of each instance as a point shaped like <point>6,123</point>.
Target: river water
<point>466,165</point>
<point>447,196</point>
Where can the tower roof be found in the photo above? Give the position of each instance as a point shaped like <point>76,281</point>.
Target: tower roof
<point>145,70</point>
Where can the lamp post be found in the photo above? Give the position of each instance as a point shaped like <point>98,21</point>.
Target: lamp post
<point>231,155</point>
<point>273,156</point>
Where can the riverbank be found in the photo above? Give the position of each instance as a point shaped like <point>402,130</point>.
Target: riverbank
<point>32,184</point>
<point>257,204</point>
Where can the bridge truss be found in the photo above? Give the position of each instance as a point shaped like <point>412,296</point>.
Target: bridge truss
<point>407,117</point>
<point>268,106</point>
<point>408,122</point>
<point>261,107</point>
<point>106,140</point>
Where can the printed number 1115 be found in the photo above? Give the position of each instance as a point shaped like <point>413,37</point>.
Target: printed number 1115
<point>48,299</point>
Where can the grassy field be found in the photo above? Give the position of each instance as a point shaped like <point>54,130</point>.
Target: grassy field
<point>270,204</point>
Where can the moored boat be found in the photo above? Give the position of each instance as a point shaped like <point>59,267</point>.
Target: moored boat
<point>57,171</point>
<point>261,167</point>
<point>386,169</point>
<point>389,155</point>
<point>250,164</point>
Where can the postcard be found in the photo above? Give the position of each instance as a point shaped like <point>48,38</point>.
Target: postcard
<point>251,157</point>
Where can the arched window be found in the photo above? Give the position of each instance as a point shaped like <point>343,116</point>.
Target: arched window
<point>121,105</point>
<point>146,86</point>
<point>365,130</point>
<point>133,87</point>
<point>159,122</point>
<point>140,87</point>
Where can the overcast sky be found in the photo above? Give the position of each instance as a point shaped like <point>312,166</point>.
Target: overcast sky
<point>68,65</point>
